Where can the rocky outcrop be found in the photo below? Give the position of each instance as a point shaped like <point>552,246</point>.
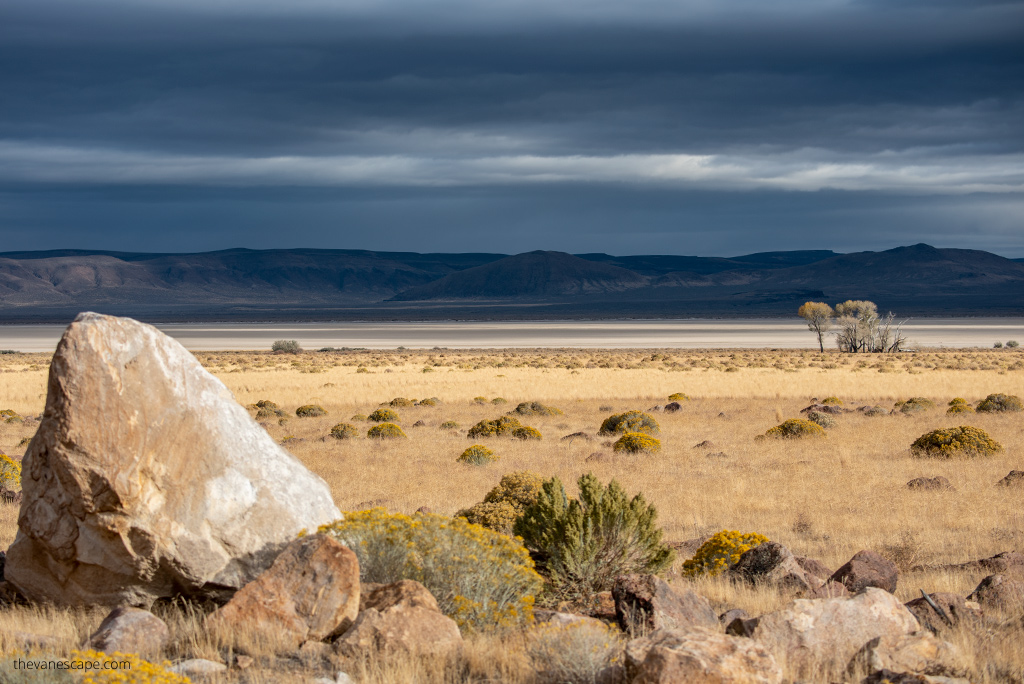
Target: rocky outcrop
<point>999,592</point>
<point>130,630</point>
<point>644,603</point>
<point>810,634</point>
<point>699,656</point>
<point>920,653</point>
<point>146,479</point>
<point>867,569</point>
<point>953,611</point>
<point>310,592</point>
<point>774,565</point>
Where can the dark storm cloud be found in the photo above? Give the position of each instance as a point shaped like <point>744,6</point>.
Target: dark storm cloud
<point>511,105</point>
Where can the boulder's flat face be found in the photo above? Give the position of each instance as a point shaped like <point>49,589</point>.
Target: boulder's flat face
<point>146,478</point>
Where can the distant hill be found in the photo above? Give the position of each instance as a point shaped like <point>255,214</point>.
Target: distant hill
<point>311,284</point>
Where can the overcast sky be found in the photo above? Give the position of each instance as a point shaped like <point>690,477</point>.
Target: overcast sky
<point>714,127</point>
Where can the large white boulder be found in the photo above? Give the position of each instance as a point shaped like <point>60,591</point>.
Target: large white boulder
<point>146,479</point>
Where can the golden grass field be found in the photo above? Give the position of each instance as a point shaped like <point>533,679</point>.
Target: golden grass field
<point>825,498</point>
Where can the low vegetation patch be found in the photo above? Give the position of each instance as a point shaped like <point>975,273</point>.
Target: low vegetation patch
<point>10,472</point>
<point>526,433</point>
<point>959,405</point>
<point>477,454</point>
<point>10,416</point>
<point>480,578</point>
<point>914,405</point>
<point>286,347</point>
<point>721,552</point>
<point>429,401</point>
<point>383,415</point>
<point>832,401</point>
<point>499,427</point>
<point>678,396</point>
<point>574,652</point>
<point>506,502</point>
<point>344,431</point>
<point>400,402</point>
<point>998,403</point>
<point>630,421</point>
<point>637,443</point>
<point>535,408</point>
<point>823,419</point>
<point>449,425</point>
<point>386,431</point>
<point>795,428</point>
<point>310,411</point>
<point>962,440</point>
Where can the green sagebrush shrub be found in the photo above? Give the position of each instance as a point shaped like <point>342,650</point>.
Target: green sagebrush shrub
<point>637,443</point>
<point>997,403</point>
<point>449,425</point>
<point>823,419</point>
<point>678,396</point>
<point>914,404</point>
<point>583,544</point>
<point>383,415</point>
<point>721,552</point>
<point>499,427</point>
<point>535,408</point>
<point>400,402</point>
<point>480,578</point>
<point>386,431</point>
<point>344,431</point>
<point>479,400</point>
<point>795,428</point>
<point>310,411</point>
<point>477,454</point>
<point>429,401</point>
<point>573,653</point>
<point>962,440</point>
<point>498,400</point>
<point>286,346</point>
<point>630,421</point>
<point>526,433</point>
<point>358,416</point>
<point>506,502</point>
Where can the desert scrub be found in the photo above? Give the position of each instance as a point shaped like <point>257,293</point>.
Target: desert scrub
<point>344,431</point>
<point>586,543</point>
<point>477,454</point>
<point>480,578</point>
<point>359,417</point>
<point>499,516</point>
<point>11,416</point>
<point>519,489</point>
<point>479,400</point>
<point>526,433</point>
<point>637,443</point>
<point>386,431</point>
<point>823,419</point>
<point>832,401</point>
<point>286,346</point>
<point>678,396</point>
<point>959,405</point>
<point>130,668</point>
<point>10,472</point>
<point>383,415</point>
<point>914,404</point>
<point>310,411</point>
<point>400,402</point>
<point>997,403</point>
<point>449,425</point>
<point>499,427</point>
<point>535,408</point>
<point>721,552</point>
<point>430,401</point>
<point>962,440</point>
<point>630,421</point>
<point>795,428</point>
<point>498,400</point>
<point>574,653</point>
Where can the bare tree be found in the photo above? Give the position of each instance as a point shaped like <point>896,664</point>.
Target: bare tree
<point>819,319</point>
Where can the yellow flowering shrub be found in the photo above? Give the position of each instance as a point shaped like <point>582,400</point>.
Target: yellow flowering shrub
<point>449,425</point>
<point>535,408</point>
<point>499,427</point>
<point>637,443</point>
<point>959,405</point>
<point>499,400</point>
<point>10,472</point>
<point>344,431</point>
<point>520,489</point>
<point>400,402</point>
<point>832,401</point>
<point>962,440</point>
<point>386,431</point>
<point>499,516</point>
<point>11,416</point>
<point>480,400</point>
<point>794,428</point>
<point>526,432</point>
<point>721,552</point>
<point>678,396</point>
<point>310,411</point>
<point>135,671</point>
<point>383,415</point>
<point>480,578</point>
<point>477,454</point>
<point>358,416</point>
<point>430,401</point>
<point>997,403</point>
<point>630,421</point>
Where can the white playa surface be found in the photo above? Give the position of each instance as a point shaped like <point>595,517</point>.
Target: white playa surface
<point>683,334</point>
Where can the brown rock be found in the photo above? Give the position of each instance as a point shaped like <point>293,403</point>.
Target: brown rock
<point>999,592</point>
<point>706,444</point>
<point>644,603</point>
<point>728,616</point>
<point>814,567</point>
<point>130,630</point>
<point>824,408</point>
<point>146,479</point>
<point>699,656</point>
<point>557,619</point>
<point>672,407</point>
<point>1007,562</point>
<point>310,592</point>
<point>867,569</point>
<point>582,436</point>
<point>603,606</point>
<point>811,634</point>
<point>774,565</point>
<point>921,653</point>
<point>829,589</point>
<point>954,611</point>
<point>403,592</point>
<point>686,549</point>
<point>890,677</point>
<point>742,627</point>
<point>1015,478</point>
<point>404,623</point>
<point>937,483</point>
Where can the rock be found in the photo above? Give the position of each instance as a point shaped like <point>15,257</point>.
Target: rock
<point>706,444</point>
<point>867,569</point>
<point>401,619</point>
<point>1015,478</point>
<point>717,454</point>
<point>644,603</point>
<point>829,589</point>
<point>728,616</point>
<point>699,656</point>
<point>921,653</point>
<point>424,510</point>
<point>419,423</point>
<point>597,457</point>
<point>742,627</point>
<point>954,611</point>
<point>310,592</point>
<point>814,567</point>
<point>557,619</point>
<point>686,549</point>
<point>816,633</point>
<point>999,592</point>
<point>603,606</point>
<point>583,436</point>
<point>146,479</point>
<point>656,409</point>
<point>672,407</point>
<point>890,677</point>
<point>774,565</point>
<point>198,668</point>
<point>937,483</point>
<point>243,662</point>
<point>130,630</point>
<point>824,408</point>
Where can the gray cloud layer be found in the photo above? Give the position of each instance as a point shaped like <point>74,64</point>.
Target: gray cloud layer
<point>696,127</point>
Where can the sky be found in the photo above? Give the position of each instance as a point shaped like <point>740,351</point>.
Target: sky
<point>703,127</point>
